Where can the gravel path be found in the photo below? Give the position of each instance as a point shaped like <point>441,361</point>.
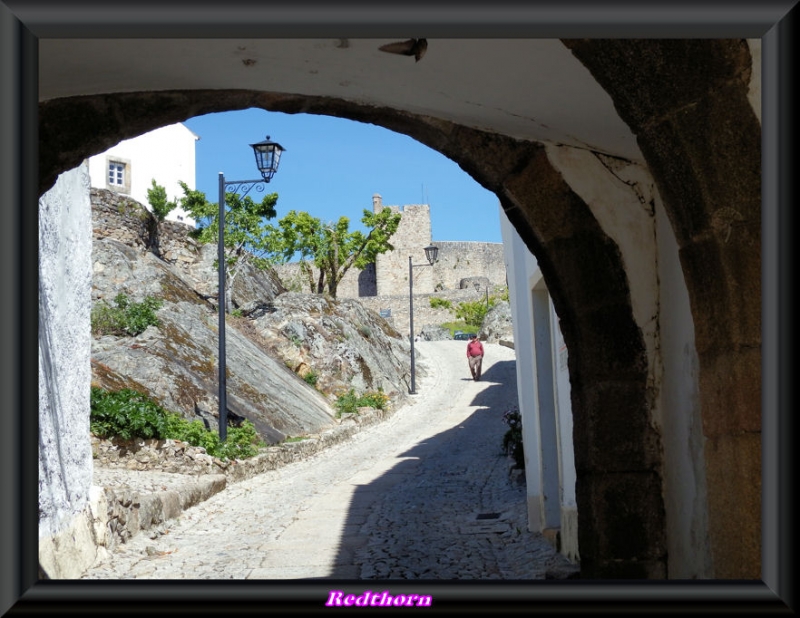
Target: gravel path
<point>425,494</point>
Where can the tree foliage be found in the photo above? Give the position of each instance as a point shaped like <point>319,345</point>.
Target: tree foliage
<point>157,198</point>
<point>331,247</point>
<point>246,238</point>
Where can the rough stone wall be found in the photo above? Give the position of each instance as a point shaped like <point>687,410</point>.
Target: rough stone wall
<point>463,260</point>
<point>126,220</point>
<point>424,314</point>
<point>389,275</point>
<point>412,236</point>
<point>64,346</point>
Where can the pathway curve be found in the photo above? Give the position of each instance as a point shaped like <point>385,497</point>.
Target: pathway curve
<point>424,494</point>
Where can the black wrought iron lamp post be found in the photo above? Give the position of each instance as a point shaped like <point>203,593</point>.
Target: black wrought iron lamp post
<point>432,253</point>
<point>268,155</point>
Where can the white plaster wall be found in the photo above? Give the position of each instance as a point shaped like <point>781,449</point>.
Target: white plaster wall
<point>566,446</point>
<point>166,154</point>
<point>65,246</point>
<point>520,266</point>
<point>524,276</point>
<point>681,424</point>
<point>621,196</point>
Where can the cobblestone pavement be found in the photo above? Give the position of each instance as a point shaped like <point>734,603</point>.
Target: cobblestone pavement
<point>426,494</point>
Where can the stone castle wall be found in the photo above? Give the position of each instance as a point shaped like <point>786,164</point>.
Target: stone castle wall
<point>389,276</point>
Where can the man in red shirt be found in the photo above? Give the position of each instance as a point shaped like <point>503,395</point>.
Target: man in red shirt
<point>475,356</point>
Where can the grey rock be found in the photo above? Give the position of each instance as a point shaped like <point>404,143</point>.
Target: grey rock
<point>497,325</point>
<point>434,333</point>
<point>279,340</point>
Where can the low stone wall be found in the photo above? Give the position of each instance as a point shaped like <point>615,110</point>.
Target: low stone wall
<point>178,476</point>
<point>424,314</point>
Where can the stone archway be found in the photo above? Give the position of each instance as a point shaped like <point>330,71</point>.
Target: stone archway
<point>701,140</point>
<point>622,535</point>
<point>687,103</point>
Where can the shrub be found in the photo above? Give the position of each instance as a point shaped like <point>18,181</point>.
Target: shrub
<point>125,317</point>
<point>311,377</point>
<point>512,440</point>
<point>157,198</point>
<point>440,303</point>
<point>129,414</point>
<point>349,402</point>
<point>472,312</point>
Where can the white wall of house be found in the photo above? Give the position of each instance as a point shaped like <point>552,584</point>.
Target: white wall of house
<point>66,530</point>
<point>166,155</point>
<point>544,396</point>
<point>623,198</point>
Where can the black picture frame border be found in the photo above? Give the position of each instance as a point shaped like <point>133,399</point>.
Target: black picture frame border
<point>24,22</point>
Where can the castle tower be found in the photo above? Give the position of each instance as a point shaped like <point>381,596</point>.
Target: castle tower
<point>412,236</point>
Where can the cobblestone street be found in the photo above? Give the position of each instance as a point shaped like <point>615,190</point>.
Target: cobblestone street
<point>426,494</point>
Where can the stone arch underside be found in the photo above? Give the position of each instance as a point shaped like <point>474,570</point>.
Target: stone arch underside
<point>617,454</point>
<point>686,101</point>
<point>618,489</point>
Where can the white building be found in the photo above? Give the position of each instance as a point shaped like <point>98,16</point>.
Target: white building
<point>544,398</point>
<point>166,155</point>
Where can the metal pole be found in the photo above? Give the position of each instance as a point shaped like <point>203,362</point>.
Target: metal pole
<point>223,402</point>
<point>413,390</point>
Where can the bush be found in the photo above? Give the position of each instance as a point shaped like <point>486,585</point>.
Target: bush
<point>440,303</point>
<point>350,402</point>
<point>311,378</point>
<point>129,414</point>
<point>125,317</point>
<point>473,312</point>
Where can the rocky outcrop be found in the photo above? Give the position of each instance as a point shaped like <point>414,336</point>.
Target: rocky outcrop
<point>287,355</point>
<point>497,325</point>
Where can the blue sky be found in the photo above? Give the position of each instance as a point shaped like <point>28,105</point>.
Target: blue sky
<point>333,166</point>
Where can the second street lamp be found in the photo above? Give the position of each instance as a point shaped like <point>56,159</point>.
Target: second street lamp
<point>432,253</point>
<point>268,155</point>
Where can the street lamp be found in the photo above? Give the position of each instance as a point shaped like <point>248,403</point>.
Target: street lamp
<point>432,253</point>
<point>268,155</point>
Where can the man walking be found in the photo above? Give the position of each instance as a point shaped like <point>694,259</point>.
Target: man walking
<point>475,356</point>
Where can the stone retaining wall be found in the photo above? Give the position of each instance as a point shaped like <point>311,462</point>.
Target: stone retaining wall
<point>129,222</point>
<point>181,475</point>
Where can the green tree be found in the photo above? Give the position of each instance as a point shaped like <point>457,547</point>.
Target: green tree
<point>331,247</point>
<point>157,198</point>
<point>246,238</point>
<point>160,207</point>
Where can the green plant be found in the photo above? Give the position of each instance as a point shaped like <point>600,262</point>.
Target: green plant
<point>157,198</point>
<point>512,439</point>
<point>311,377</point>
<point>349,402</point>
<point>440,303</point>
<point>237,313</point>
<point>130,414</point>
<point>473,312</point>
<point>126,413</point>
<point>462,326</point>
<point>124,317</point>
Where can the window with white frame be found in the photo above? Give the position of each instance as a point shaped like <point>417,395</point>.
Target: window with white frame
<point>118,174</point>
